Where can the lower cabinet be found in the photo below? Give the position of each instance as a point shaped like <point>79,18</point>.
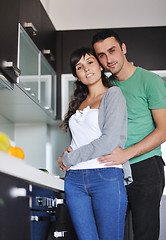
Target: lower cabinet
<point>14,209</point>
<point>29,212</point>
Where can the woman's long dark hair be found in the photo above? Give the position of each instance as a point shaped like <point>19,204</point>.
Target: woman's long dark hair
<point>81,91</point>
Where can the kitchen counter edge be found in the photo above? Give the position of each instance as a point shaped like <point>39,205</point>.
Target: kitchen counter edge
<point>18,168</point>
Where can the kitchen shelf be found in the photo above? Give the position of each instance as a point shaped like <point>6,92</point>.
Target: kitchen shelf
<point>18,107</point>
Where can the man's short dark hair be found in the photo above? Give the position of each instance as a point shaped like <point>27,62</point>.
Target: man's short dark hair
<point>102,35</point>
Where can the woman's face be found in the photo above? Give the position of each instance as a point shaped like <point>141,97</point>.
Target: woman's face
<point>88,70</point>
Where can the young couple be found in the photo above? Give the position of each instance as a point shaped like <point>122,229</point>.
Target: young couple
<point>113,122</point>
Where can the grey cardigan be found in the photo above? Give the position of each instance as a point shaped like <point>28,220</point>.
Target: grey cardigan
<point>113,125</point>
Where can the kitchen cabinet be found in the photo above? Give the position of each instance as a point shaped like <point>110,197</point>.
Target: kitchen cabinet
<point>33,17</point>
<point>41,87</point>
<point>9,39</point>
<point>35,21</point>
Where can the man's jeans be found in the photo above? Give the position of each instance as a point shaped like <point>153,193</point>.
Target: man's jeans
<point>144,196</point>
<point>97,202</point>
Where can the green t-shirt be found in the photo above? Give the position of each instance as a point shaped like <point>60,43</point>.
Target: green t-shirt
<point>143,91</point>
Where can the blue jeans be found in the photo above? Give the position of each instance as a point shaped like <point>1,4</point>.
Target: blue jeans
<point>97,202</point>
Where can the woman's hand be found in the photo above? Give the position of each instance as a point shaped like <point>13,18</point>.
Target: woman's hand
<point>62,167</point>
<point>59,160</point>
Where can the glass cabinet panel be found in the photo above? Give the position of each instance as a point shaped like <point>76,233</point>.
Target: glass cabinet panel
<point>47,85</point>
<point>67,90</point>
<point>29,64</point>
<point>37,76</point>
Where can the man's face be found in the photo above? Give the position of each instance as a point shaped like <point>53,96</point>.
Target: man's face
<point>110,54</point>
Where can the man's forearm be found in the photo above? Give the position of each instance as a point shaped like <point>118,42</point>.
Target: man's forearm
<point>120,156</point>
<point>153,140</point>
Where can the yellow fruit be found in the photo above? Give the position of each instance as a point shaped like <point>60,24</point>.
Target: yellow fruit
<point>4,142</point>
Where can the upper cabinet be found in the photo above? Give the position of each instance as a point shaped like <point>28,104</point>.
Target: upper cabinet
<point>35,21</point>
<point>27,47</point>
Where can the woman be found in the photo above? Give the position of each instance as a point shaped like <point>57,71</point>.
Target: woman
<point>97,119</point>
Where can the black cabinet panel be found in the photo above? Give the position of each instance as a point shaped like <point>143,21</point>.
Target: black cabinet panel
<point>30,13</point>
<point>9,37</point>
<point>14,210</point>
<point>47,38</point>
<point>145,45</point>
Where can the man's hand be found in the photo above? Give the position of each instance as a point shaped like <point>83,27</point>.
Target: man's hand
<point>117,157</point>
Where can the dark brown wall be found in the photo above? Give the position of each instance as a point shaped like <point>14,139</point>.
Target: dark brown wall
<point>146,47</point>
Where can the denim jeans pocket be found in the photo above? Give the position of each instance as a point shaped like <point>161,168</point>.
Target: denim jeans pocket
<point>109,174</point>
<point>67,175</point>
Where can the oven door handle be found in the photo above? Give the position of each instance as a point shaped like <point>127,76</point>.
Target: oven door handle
<point>36,218</point>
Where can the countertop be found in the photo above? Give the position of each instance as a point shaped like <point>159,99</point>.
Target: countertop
<point>18,168</point>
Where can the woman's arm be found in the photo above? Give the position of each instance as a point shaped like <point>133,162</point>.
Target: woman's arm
<point>113,114</point>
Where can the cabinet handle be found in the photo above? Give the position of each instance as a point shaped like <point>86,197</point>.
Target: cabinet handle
<point>17,71</point>
<point>59,234</point>
<point>47,107</point>
<point>31,26</point>
<point>48,52</point>
<point>28,89</point>
<point>58,201</point>
<point>18,192</point>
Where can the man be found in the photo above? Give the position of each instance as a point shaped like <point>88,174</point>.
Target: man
<point>145,95</point>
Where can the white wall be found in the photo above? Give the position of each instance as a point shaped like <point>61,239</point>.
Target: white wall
<point>42,145</point>
<point>59,141</point>
<point>32,139</point>
<point>7,127</point>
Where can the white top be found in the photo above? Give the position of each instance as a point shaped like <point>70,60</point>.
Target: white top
<point>84,127</point>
